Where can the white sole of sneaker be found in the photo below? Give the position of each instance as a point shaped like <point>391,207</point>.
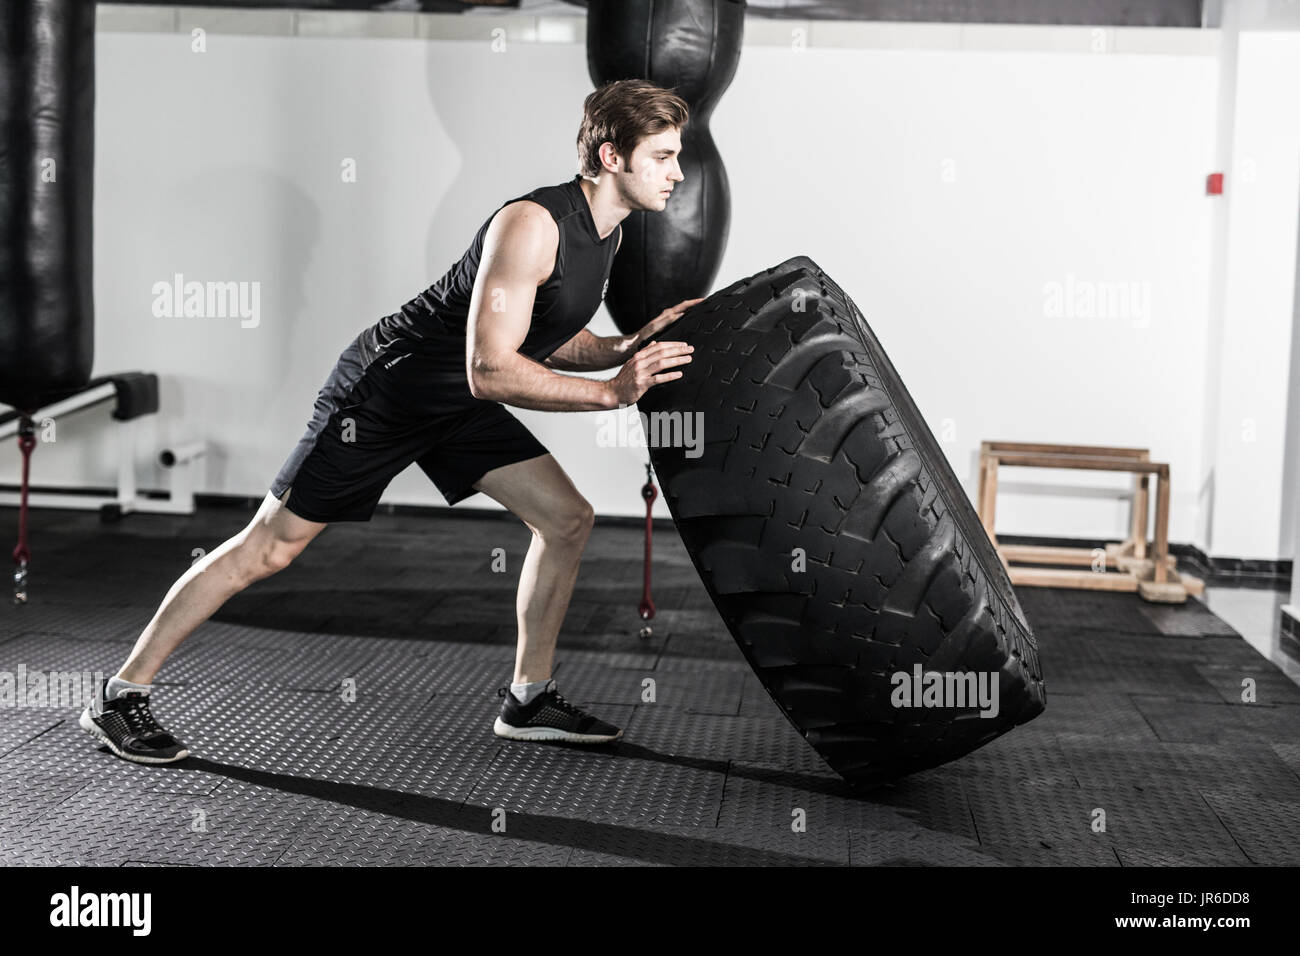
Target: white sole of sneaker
<point>502,729</point>
<point>90,727</point>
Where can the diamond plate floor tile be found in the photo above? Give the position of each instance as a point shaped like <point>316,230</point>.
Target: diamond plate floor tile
<point>1015,818</point>
<point>721,846</point>
<point>595,786</point>
<point>347,836</point>
<point>453,848</point>
<point>697,647</point>
<point>1255,767</point>
<point>721,738</point>
<point>21,724</point>
<point>1264,829</point>
<point>94,622</point>
<point>1011,757</point>
<point>1179,721</point>
<point>762,796</point>
<point>41,652</point>
<point>1192,619</point>
<point>279,719</point>
<point>1166,678</point>
<point>1064,607</point>
<point>1099,713</point>
<point>27,791</point>
<point>1269,686</point>
<point>934,800</point>
<point>1162,816</point>
<point>1042,852</point>
<point>399,672</point>
<point>102,826</point>
<point>1289,754</point>
<point>317,669</point>
<point>915,848</point>
<point>448,773</point>
<point>633,659</point>
<point>703,690</point>
<point>1175,856</point>
<point>1102,760</point>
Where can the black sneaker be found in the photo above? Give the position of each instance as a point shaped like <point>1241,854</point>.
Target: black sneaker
<point>129,729</point>
<point>550,717</point>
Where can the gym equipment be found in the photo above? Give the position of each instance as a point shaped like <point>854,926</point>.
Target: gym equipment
<point>47,112</point>
<point>831,533</point>
<point>47,154</point>
<point>1155,578</point>
<point>133,395</point>
<point>691,47</point>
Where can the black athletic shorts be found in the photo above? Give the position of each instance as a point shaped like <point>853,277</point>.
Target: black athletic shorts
<point>363,434</point>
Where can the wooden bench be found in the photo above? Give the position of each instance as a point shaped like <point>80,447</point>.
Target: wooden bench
<point>1134,564</point>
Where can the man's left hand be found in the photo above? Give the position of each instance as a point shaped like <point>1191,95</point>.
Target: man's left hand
<point>665,318</point>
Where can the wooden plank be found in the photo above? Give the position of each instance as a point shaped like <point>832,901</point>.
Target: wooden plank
<point>1016,460</point>
<point>1141,515</point>
<point>983,483</point>
<point>1162,592</point>
<point>1085,580</point>
<point>1041,554</point>
<point>988,506</point>
<point>996,446</point>
<point>1161,550</point>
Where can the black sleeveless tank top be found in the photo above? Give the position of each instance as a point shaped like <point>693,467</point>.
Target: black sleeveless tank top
<point>420,351</point>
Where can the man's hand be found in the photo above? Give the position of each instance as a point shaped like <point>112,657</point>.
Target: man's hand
<point>665,318</point>
<point>650,366</point>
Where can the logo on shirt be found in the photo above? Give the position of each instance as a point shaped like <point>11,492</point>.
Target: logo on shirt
<point>603,288</point>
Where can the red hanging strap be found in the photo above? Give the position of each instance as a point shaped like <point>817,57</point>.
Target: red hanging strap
<point>648,492</point>
<point>26,441</point>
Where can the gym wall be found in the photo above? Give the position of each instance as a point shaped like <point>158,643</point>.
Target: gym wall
<point>964,184</point>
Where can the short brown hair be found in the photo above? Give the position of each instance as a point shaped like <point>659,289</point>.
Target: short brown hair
<point>624,112</point>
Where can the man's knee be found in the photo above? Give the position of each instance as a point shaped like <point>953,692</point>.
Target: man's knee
<point>573,525</point>
<point>260,558</point>
<point>262,553</point>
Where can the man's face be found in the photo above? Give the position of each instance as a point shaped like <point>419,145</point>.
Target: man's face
<point>652,171</point>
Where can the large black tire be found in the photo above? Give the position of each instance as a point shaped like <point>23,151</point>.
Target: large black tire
<point>811,441</point>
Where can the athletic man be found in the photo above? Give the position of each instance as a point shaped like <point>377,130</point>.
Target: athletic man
<point>429,385</point>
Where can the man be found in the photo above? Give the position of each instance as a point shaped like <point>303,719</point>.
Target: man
<point>429,384</point>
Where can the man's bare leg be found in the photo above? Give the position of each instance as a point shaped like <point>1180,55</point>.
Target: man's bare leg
<point>119,714</point>
<point>269,543</point>
<point>541,495</point>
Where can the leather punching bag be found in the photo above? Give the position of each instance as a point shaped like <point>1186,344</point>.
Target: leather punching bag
<point>691,47</point>
<point>47,113</point>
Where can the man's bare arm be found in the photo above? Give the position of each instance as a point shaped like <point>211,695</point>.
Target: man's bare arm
<point>586,352</point>
<point>519,252</point>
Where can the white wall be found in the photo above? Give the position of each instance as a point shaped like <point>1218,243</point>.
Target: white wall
<point>1253,476</point>
<point>946,176</point>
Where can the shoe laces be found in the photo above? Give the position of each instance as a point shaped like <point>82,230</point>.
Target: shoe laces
<point>559,701</point>
<point>139,717</point>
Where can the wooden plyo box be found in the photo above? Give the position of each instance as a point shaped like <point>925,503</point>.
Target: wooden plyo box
<point>1134,564</point>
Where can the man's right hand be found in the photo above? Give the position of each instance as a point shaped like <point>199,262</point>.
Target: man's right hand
<point>648,367</point>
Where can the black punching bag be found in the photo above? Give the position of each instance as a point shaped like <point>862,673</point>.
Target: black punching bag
<point>691,47</point>
<point>47,113</point>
